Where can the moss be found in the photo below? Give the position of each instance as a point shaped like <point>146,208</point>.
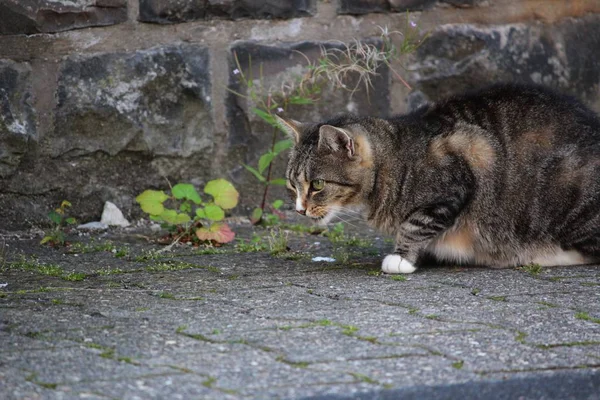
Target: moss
<point>166,295</point>
<point>374,273</point>
<point>74,276</point>
<point>475,291</point>
<point>297,364</point>
<point>497,298</point>
<point>545,303</point>
<point>141,309</point>
<point>568,344</point>
<point>433,317</point>
<point>458,364</point>
<point>521,337</point>
<point>586,317</point>
<point>171,266</point>
<point>50,270</point>
<point>348,329</point>
<point>398,278</point>
<point>46,385</point>
<point>364,378</point>
<point>57,301</point>
<point>370,339</point>
<point>209,382</point>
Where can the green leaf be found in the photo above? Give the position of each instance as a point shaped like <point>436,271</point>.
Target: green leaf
<point>277,204</point>
<point>185,207</point>
<point>214,213</point>
<point>55,217</point>
<point>255,173</point>
<point>282,145</point>
<point>278,181</point>
<point>186,191</point>
<point>151,201</point>
<point>264,161</point>
<point>65,203</point>
<point>200,213</point>
<point>174,218</point>
<point>268,118</point>
<point>71,221</point>
<point>46,239</point>
<point>220,233</point>
<point>300,100</point>
<point>223,192</point>
<point>256,215</point>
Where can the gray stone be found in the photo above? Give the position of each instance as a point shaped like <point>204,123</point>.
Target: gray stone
<point>172,11</point>
<point>17,117</point>
<point>112,216</point>
<point>154,101</point>
<point>456,58</point>
<point>36,16</point>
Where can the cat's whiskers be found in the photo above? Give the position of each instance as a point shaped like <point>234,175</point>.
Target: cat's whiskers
<point>346,221</point>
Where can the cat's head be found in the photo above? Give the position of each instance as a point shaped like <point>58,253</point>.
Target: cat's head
<point>330,170</point>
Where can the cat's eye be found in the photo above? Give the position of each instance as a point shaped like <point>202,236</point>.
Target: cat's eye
<point>317,184</point>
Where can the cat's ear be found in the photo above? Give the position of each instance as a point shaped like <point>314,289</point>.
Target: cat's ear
<point>336,140</point>
<point>291,128</point>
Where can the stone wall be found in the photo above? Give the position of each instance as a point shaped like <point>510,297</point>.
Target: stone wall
<point>101,99</point>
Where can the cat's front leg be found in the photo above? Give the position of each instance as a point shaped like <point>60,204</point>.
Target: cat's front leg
<point>401,261</point>
<point>416,233</point>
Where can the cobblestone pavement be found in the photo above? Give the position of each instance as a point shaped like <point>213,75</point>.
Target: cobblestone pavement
<point>110,317</point>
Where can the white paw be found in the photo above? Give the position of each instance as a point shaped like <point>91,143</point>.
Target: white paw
<point>394,264</point>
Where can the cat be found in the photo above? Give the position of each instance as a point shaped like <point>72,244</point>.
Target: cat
<point>502,177</point>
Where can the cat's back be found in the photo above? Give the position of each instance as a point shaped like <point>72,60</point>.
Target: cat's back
<point>524,113</point>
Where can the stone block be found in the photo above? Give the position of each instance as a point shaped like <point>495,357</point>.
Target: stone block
<point>456,58</point>
<point>154,101</point>
<point>45,16</point>
<point>17,117</point>
<point>369,6</point>
<point>174,11</point>
<point>282,67</point>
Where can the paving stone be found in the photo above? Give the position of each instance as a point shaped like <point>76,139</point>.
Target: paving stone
<point>173,11</point>
<point>72,365</point>
<point>175,386</point>
<point>37,16</point>
<point>258,326</point>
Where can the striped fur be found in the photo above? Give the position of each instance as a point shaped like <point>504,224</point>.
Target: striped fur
<point>502,177</point>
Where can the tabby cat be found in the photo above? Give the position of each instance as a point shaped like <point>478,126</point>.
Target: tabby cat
<point>506,176</point>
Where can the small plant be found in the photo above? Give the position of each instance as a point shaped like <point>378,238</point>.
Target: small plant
<point>278,242</point>
<point>533,269</point>
<point>458,364</point>
<point>253,245</point>
<point>190,218</point>
<point>56,236</point>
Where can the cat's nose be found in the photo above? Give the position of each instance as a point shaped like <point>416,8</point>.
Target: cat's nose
<point>301,212</point>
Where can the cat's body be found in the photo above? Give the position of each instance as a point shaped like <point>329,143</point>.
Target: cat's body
<point>502,177</point>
